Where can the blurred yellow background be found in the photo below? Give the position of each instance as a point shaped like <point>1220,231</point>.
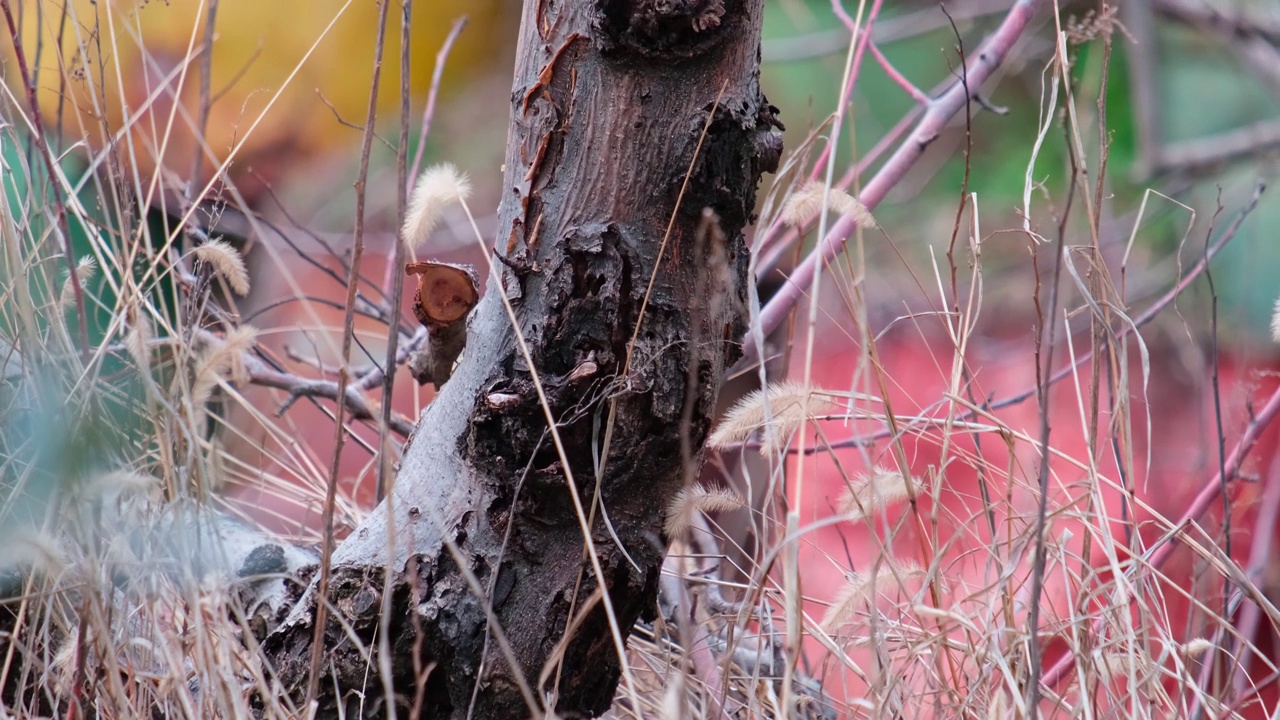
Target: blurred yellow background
<point>293,57</point>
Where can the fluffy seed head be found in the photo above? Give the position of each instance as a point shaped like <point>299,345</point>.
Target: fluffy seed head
<point>1117,665</point>
<point>694,499</point>
<point>226,261</point>
<point>804,205</point>
<point>239,342</point>
<point>871,491</point>
<point>1196,647</point>
<point>1275,322</point>
<point>138,338</point>
<point>85,270</point>
<point>789,404</point>
<point>438,188</point>
<point>221,361</point>
<point>38,550</point>
<point>122,483</point>
<point>861,589</point>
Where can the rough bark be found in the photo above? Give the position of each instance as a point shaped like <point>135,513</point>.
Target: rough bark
<point>609,101</point>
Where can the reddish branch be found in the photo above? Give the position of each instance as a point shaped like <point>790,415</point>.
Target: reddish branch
<point>984,63</point>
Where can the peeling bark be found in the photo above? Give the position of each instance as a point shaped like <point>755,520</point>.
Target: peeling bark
<point>610,100</point>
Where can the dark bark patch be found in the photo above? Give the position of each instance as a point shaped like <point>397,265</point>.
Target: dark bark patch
<point>665,29</point>
<point>738,146</point>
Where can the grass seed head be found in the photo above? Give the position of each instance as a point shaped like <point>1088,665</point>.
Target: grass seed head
<point>227,262</point>
<point>438,188</point>
<point>1196,647</point>
<point>871,491</point>
<point>861,588</point>
<point>1275,322</point>
<point>697,498</point>
<point>85,270</point>
<point>223,361</point>
<point>805,205</point>
<point>779,410</point>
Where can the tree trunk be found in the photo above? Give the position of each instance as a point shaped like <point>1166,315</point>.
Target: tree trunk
<point>609,105</point>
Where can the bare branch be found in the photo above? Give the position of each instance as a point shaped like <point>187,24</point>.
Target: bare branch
<point>984,63</point>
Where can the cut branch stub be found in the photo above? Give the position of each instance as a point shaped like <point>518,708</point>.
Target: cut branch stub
<point>446,294</point>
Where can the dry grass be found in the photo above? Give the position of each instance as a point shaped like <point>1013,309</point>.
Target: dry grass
<point>108,445</point>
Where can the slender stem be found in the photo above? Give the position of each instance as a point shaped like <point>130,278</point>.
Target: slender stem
<point>41,142</point>
<point>429,111</point>
<point>396,269</point>
<point>348,328</point>
<point>987,60</point>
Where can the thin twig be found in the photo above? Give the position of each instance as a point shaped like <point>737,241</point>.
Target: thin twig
<point>429,111</point>
<point>1139,321</point>
<point>900,27</point>
<point>348,331</point>
<point>397,260</point>
<point>42,144</point>
<point>1260,555</point>
<point>1203,154</point>
<point>206,77</point>
<point>985,62</point>
<point>1238,24</point>
<point>299,387</point>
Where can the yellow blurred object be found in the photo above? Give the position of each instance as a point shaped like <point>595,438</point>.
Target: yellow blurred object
<point>277,67</point>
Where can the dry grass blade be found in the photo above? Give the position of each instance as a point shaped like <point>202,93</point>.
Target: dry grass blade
<point>780,410</point>
<point>695,499</point>
<point>438,188</point>
<point>877,489</point>
<point>804,205</point>
<point>227,262</point>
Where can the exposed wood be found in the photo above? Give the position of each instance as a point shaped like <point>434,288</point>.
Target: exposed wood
<point>446,294</point>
